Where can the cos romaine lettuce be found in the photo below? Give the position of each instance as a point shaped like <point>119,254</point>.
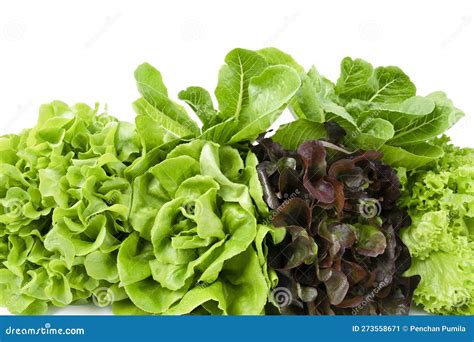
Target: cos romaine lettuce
<point>250,92</point>
<point>378,108</point>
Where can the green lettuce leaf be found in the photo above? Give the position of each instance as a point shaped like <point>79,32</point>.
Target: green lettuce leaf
<point>234,79</point>
<point>195,248</point>
<point>440,200</point>
<point>64,208</point>
<point>268,95</point>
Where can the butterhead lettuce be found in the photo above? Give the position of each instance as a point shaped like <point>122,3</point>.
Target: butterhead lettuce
<point>197,247</point>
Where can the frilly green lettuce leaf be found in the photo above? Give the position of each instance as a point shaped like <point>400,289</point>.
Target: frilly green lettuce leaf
<point>64,205</point>
<point>446,285</point>
<point>440,200</point>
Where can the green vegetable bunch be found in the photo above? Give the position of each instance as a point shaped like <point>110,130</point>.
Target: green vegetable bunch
<point>158,217</point>
<point>440,200</point>
<point>64,208</point>
<point>197,246</point>
<point>378,109</point>
<point>251,94</point>
<point>166,216</point>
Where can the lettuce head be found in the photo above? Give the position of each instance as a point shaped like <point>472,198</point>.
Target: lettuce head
<point>196,246</point>
<point>440,200</point>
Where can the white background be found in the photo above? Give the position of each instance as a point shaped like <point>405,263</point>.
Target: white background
<point>86,51</point>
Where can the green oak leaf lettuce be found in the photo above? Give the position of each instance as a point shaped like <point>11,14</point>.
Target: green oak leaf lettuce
<point>64,207</point>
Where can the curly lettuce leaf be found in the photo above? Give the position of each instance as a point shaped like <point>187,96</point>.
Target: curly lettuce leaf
<point>63,208</point>
<point>440,200</point>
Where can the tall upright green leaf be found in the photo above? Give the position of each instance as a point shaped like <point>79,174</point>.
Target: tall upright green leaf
<point>150,83</point>
<point>340,115</point>
<point>412,156</point>
<point>313,90</point>
<point>155,128</point>
<point>274,56</point>
<point>151,87</point>
<point>400,114</point>
<point>222,132</point>
<point>268,94</point>
<point>295,133</point>
<point>374,133</point>
<point>234,79</point>
<point>356,79</point>
<point>200,101</point>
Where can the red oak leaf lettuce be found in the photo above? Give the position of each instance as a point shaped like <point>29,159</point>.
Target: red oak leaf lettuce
<point>342,253</point>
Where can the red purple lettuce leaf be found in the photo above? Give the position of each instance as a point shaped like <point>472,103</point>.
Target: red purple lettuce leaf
<point>342,253</point>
